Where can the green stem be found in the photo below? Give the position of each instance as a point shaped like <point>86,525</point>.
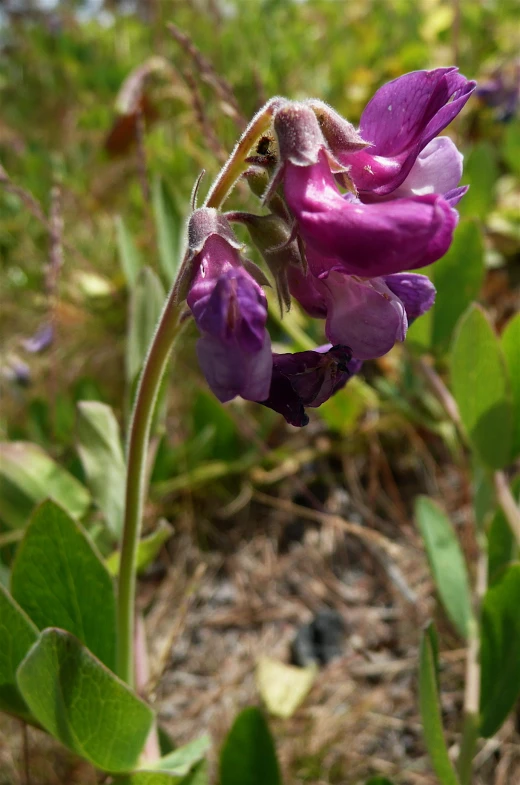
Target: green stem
<point>236,163</point>
<point>139,433</point>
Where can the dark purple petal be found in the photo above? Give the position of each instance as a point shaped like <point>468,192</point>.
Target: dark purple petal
<point>308,291</point>
<point>400,120</point>
<point>364,315</point>
<point>308,379</point>
<point>231,371</point>
<point>40,341</point>
<point>454,196</point>
<point>366,240</point>
<point>416,292</point>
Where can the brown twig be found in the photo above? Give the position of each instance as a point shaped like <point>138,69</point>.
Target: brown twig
<point>210,76</point>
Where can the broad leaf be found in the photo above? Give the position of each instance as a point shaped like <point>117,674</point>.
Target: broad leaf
<point>102,457</point>
<point>128,253</point>
<point>17,635</point>
<point>169,224</point>
<point>458,278</point>
<point>146,304</point>
<point>60,581</point>
<point>28,476</point>
<point>83,704</point>
<point>182,760</point>
<point>248,756</point>
<point>481,174</point>
<point>511,349</point>
<point>481,388</point>
<point>499,651</point>
<point>446,562</point>
<point>147,549</point>
<point>431,715</point>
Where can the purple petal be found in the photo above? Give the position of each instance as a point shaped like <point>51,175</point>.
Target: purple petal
<point>364,315</point>
<point>366,240</point>
<point>400,120</point>
<point>308,292</point>
<point>454,196</point>
<point>231,371</point>
<point>437,169</point>
<point>416,292</point>
<point>40,341</point>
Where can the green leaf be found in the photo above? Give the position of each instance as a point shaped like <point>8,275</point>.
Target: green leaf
<point>169,224</point>
<point>146,304</point>
<point>147,549</point>
<point>431,715</point>
<point>499,651</point>
<point>511,148</point>
<point>458,278</point>
<point>128,253</point>
<point>197,776</point>
<point>511,349</point>
<point>17,635</point>
<point>502,546</point>
<point>481,174</point>
<point>446,562</point>
<point>248,756</point>
<point>379,781</point>
<point>102,457</point>
<point>60,581</point>
<point>481,388</point>
<point>182,760</point>
<point>83,704</point>
<point>28,476</point>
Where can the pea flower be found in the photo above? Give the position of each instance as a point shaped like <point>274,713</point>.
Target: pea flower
<point>230,310</point>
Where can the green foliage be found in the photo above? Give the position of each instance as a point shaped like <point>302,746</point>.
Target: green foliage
<point>197,776</point>
<point>502,546</point>
<point>481,388</point>
<point>17,634</point>
<point>511,349</point>
<point>248,756</point>
<point>446,562</point>
<point>28,476</point>
<point>480,173</point>
<point>430,712</point>
<point>60,581</point>
<point>128,253</point>
<point>146,304</point>
<point>169,224</point>
<point>500,644</point>
<point>82,703</point>
<point>147,549</point>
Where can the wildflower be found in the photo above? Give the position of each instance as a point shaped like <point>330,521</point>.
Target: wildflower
<point>308,379</point>
<point>230,310</point>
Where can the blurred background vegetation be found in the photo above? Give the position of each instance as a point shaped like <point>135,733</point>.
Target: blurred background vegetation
<point>94,189</point>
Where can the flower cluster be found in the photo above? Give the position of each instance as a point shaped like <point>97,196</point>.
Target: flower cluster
<point>350,210</point>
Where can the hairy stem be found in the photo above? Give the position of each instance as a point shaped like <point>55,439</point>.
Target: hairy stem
<point>139,433</point>
<point>236,163</point>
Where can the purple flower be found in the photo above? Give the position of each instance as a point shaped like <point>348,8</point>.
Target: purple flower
<point>230,310</point>
<point>342,233</point>
<point>40,341</point>
<point>400,120</point>
<point>308,379</point>
<point>370,315</point>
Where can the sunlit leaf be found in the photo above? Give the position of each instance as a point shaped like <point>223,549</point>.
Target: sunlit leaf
<point>128,253</point>
<point>169,223</point>
<point>446,562</point>
<point>60,581</point>
<point>80,702</point>
<point>101,453</point>
<point>146,304</point>
<point>147,549</point>
<point>481,388</point>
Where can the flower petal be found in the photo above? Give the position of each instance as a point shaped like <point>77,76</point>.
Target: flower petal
<point>364,315</point>
<point>366,240</point>
<point>231,371</point>
<point>416,292</point>
<point>437,169</point>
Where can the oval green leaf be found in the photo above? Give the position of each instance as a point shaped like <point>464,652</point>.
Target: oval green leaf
<point>81,703</point>
<point>60,581</point>
<point>446,561</point>
<point>17,635</point>
<point>481,388</point>
<point>128,253</point>
<point>248,756</point>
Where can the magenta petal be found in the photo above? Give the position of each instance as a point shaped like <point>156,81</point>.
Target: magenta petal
<point>366,240</point>
<point>364,315</point>
<point>307,291</point>
<point>416,292</point>
<point>231,371</point>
